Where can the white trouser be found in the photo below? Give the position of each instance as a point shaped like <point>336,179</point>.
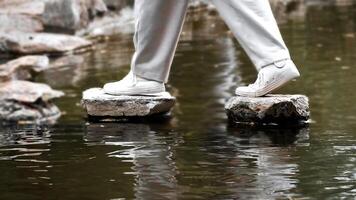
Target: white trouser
<point>159,24</point>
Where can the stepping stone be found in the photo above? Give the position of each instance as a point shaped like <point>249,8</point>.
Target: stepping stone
<point>99,105</point>
<point>278,109</point>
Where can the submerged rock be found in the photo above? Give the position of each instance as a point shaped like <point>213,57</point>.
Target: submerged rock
<point>27,101</point>
<point>277,109</point>
<point>98,104</point>
<point>22,67</point>
<point>36,43</point>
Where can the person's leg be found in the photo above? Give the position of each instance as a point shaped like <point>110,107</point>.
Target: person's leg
<point>157,29</point>
<point>159,24</point>
<point>255,27</point>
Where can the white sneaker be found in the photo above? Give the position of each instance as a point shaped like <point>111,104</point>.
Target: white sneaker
<point>270,78</point>
<point>134,85</point>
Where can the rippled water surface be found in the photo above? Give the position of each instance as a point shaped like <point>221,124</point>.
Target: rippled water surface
<point>196,154</point>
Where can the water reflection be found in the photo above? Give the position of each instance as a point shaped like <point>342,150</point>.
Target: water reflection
<point>22,154</point>
<point>150,153</point>
<point>268,152</point>
<point>271,135</point>
<point>246,162</point>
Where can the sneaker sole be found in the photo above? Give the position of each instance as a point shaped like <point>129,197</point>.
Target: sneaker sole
<point>150,92</point>
<point>287,76</point>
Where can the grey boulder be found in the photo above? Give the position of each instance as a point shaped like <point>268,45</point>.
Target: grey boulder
<point>279,109</point>
<point>98,104</point>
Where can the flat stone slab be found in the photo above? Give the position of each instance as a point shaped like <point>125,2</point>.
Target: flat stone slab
<point>38,43</point>
<point>279,109</point>
<point>98,104</point>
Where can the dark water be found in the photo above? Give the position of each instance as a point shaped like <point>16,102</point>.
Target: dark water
<point>196,154</point>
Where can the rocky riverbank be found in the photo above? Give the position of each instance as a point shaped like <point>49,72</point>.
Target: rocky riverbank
<point>22,100</point>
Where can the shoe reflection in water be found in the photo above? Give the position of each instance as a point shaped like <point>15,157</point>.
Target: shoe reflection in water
<point>249,162</point>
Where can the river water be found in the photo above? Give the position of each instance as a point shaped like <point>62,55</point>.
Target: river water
<point>196,154</point>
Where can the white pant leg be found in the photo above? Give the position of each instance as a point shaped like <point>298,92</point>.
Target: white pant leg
<point>255,27</point>
<point>158,26</point>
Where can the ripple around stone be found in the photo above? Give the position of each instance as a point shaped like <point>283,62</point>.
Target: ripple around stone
<point>97,104</point>
<point>279,109</point>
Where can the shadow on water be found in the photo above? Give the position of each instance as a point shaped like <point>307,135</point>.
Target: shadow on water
<point>196,154</point>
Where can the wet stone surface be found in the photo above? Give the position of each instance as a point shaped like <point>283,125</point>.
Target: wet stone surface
<point>100,105</point>
<point>24,101</point>
<point>279,109</point>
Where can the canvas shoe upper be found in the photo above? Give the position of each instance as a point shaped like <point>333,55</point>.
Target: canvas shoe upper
<point>134,85</point>
<point>270,78</point>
